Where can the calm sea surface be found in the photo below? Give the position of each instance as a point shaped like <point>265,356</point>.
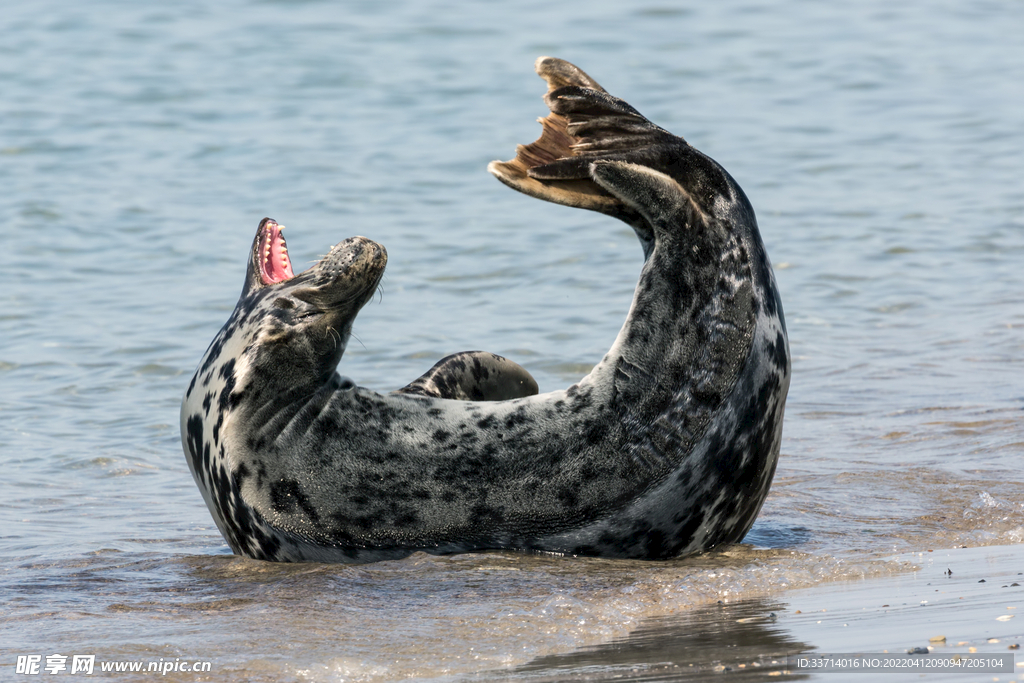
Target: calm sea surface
<point>881,144</point>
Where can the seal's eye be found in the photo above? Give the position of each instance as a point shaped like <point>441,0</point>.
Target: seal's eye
<point>283,303</point>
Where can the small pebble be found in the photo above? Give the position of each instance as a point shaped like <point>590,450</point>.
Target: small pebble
<point>917,651</point>
<point>937,639</point>
<point>1005,617</point>
<point>1015,646</point>
<point>982,581</point>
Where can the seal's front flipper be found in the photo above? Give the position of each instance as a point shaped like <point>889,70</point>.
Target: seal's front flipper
<point>585,124</point>
<point>474,376</point>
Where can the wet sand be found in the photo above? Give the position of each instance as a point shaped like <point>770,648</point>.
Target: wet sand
<point>979,607</point>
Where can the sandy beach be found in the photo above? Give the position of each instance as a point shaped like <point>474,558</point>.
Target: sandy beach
<point>974,609</point>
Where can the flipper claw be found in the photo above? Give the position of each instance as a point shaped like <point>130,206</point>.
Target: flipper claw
<point>585,124</point>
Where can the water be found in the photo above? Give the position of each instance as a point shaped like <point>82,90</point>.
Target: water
<point>140,145</point>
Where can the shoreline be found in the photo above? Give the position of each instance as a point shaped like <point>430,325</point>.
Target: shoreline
<point>978,608</point>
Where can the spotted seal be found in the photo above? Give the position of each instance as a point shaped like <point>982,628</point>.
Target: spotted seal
<point>667,447</point>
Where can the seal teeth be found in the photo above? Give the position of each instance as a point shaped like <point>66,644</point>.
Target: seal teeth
<point>274,263</point>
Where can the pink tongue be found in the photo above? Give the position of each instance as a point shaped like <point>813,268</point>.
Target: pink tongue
<point>276,265</point>
<point>279,268</point>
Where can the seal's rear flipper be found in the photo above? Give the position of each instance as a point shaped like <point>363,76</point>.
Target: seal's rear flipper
<point>474,376</point>
<point>585,124</point>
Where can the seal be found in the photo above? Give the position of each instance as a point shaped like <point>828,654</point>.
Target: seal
<point>667,447</point>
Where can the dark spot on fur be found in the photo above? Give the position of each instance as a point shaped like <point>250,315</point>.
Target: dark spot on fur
<point>217,426</point>
<point>516,418</point>
<point>596,433</point>
<point>228,373</point>
<point>212,353</point>
<point>654,544</point>
<point>406,517</point>
<point>777,352</point>
<point>194,442</point>
<point>269,547</point>
<point>286,496</point>
<point>686,533</point>
<point>483,516</point>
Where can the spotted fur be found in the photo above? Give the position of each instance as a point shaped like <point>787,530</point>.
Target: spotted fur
<point>667,447</point>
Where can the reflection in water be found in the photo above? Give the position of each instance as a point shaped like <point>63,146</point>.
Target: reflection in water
<point>420,616</point>
<point>740,638</point>
<point>766,534</point>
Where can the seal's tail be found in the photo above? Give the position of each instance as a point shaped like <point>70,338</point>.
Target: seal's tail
<point>586,124</point>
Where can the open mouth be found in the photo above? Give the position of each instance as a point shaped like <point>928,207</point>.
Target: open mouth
<point>273,254</point>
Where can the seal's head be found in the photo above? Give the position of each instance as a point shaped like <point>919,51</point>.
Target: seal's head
<point>301,323</point>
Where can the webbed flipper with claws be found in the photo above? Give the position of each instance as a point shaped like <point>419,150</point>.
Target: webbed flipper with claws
<point>585,124</point>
